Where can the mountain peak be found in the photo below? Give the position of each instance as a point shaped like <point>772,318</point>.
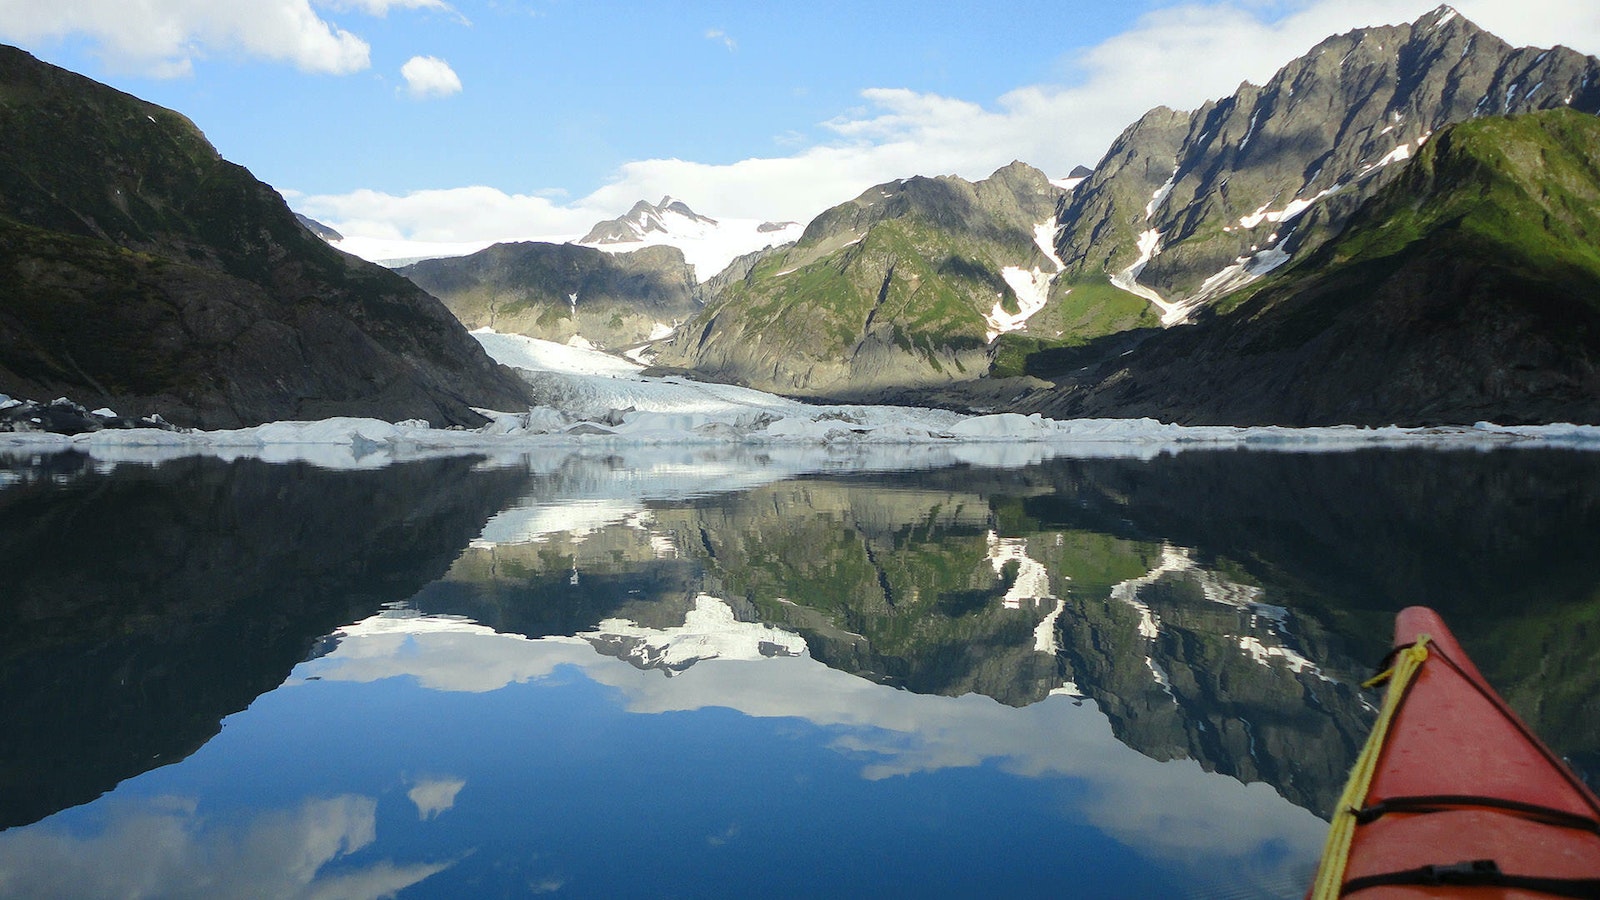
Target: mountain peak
<point>1440,16</point>
<point>670,216</point>
<point>1187,207</point>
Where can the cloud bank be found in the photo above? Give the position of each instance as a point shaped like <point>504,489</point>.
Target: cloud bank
<point>162,38</point>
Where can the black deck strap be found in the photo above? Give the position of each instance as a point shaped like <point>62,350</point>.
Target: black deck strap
<point>1477,873</point>
<point>1387,662</point>
<point>1430,803</point>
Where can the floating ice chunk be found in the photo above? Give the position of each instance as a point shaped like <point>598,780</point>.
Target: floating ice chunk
<point>1001,427</point>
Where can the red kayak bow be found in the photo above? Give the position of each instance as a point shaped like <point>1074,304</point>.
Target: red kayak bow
<point>1453,795</point>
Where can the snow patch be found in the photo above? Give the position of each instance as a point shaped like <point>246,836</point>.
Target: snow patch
<point>1033,579</point>
<point>1032,289</point>
<point>1398,154</point>
<point>1290,210</point>
<point>1128,279</point>
<point>1251,131</point>
<point>1160,196</point>
<point>1044,235</point>
<point>709,631</point>
<point>708,245</point>
<point>1044,634</point>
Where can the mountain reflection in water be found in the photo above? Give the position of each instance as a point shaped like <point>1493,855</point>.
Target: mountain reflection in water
<point>1021,625</point>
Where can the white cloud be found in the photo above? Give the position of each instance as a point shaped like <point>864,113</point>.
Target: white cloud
<point>430,76</point>
<point>435,795</point>
<point>164,37</point>
<point>162,847</point>
<point>451,215</point>
<point>1179,56</point>
<point>722,37</point>
<point>382,7</point>
<point>1167,809</point>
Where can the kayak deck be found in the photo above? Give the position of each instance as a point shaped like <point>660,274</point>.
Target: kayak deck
<point>1460,798</point>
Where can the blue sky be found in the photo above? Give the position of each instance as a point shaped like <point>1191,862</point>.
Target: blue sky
<point>542,116</point>
<point>557,94</point>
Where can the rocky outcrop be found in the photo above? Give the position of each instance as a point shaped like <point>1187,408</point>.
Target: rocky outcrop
<point>561,291</point>
<point>1465,290</point>
<point>140,270</point>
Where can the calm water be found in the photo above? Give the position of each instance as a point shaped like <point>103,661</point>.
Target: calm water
<point>688,675</point>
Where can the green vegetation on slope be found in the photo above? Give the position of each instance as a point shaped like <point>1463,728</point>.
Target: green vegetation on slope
<point>1526,186</point>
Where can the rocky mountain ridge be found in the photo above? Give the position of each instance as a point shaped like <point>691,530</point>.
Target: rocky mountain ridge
<point>1186,207</point>
<point>666,217</point>
<point>905,284</point>
<point>1468,288</point>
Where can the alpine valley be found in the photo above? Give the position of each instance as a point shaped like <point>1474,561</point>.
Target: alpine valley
<point>1399,227</point>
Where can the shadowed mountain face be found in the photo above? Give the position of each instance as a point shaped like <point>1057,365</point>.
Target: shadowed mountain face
<point>560,291</point>
<point>140,270</point>
<point>141,606</point>
<point>1468,289</point>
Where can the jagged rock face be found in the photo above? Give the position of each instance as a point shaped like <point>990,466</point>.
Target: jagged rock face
<point>1198,204</point>
<point>643,219</point>
<point>890,289</point>
<point>560,291</point>
<point>140,270</point>
<point>1468,289</point>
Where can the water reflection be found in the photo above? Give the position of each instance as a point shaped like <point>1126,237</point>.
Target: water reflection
<point>164,848</point>
<point>1123,651</point>
<point>144,604</point>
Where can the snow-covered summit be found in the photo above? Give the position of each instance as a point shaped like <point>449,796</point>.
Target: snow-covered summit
<point>670,216</point>
<point>708,244</point>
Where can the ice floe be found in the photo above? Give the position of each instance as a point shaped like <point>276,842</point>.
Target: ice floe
<point>595,401</point>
